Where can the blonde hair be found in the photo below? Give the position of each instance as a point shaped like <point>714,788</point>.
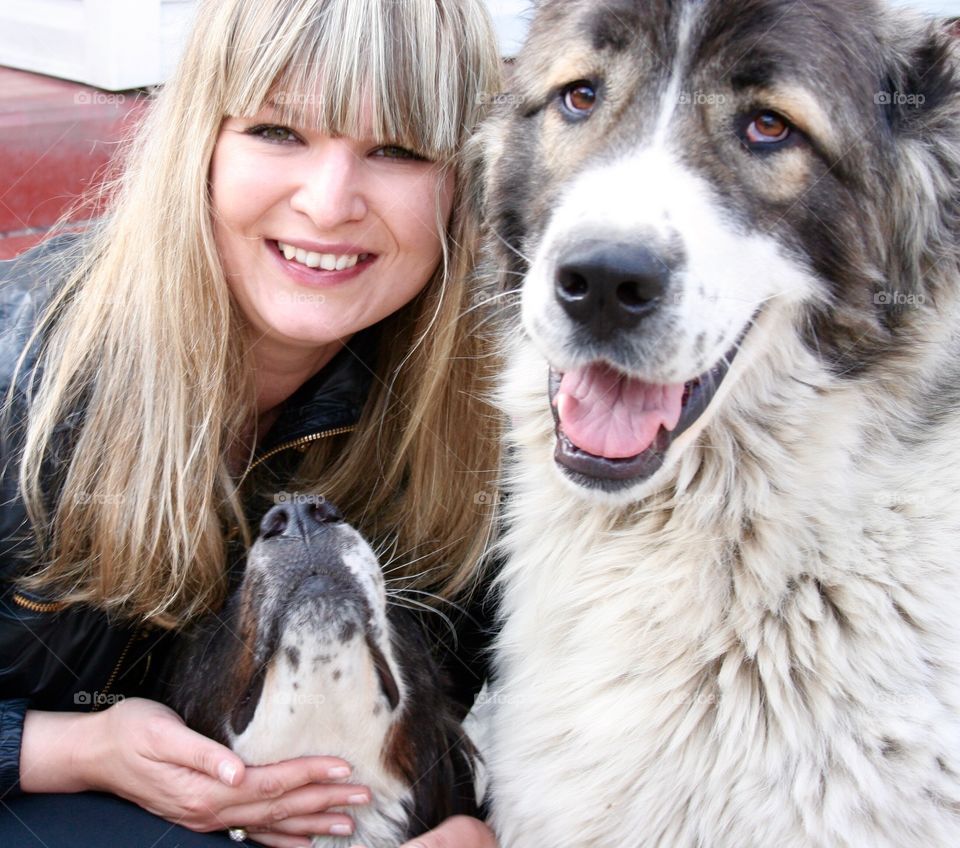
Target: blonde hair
<point>144,337</point>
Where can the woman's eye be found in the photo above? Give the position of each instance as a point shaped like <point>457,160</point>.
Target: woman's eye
<point>395,151</point>
<point>579,99</point>
<point>767,128</point>
<point>272,133</point>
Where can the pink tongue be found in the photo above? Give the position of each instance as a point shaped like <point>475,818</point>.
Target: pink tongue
<point>607,414</point>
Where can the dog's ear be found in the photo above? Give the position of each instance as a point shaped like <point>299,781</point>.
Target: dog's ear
<point>920,101</point>
<point>922,95</point>
<point>446,782</point>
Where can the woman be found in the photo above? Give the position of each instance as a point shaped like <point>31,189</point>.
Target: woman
<point>276,302</point>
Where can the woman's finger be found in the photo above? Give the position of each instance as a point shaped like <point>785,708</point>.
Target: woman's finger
<point>307,802</point>
<point>171,741</point>
<point>323,824</point>
<point>268,783</point>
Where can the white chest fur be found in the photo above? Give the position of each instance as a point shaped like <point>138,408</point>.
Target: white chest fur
<point>767,655</point>
<point>321,697</point>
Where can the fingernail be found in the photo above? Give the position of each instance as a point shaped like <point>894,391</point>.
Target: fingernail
<point>227,772</point>
<point>341,830</point>
<point>358,799</point>
<point>338,771</point>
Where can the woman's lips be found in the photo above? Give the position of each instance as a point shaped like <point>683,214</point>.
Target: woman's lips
<point>335,264</point>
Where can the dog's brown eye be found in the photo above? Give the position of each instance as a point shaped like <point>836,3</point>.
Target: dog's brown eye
<point>768,128</point>
<point>579,99</point>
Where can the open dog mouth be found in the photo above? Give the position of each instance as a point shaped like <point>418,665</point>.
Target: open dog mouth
<point>613,430</point>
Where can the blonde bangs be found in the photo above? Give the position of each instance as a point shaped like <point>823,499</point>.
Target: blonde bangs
<point>309,62</point>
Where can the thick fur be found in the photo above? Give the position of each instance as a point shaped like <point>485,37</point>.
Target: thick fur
<point>759,645</point>
<point>307,658</point>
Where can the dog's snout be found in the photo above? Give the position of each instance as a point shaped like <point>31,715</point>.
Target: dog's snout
<point>611,288</point>
<point>298,517</point>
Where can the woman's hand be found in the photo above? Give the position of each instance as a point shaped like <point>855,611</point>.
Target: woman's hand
<point>142,751</point>
<point>455,832</point>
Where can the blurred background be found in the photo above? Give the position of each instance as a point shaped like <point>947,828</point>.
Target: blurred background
<point>75,77</point>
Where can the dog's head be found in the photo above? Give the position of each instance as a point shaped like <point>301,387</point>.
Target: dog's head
<point>308,658</point>
<point>677,184</point>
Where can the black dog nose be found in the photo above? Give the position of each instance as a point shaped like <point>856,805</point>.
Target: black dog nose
<point>611,287</point>
<point>298,515</point>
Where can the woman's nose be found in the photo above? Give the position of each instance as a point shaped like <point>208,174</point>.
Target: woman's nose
<point>330,191</point>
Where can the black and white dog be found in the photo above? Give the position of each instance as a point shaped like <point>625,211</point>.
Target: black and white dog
<point>308,658</point>
<point>731,600</point>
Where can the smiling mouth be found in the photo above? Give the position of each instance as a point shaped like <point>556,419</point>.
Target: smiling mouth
<point>309,260</point>
<point>613,431</point>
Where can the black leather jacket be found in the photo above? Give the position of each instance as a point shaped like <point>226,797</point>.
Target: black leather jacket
<point>74,658</point>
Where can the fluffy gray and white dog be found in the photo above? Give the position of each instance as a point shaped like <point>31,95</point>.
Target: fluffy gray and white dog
<point>731,601</point>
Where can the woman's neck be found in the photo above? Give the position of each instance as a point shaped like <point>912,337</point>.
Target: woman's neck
<point>280,371</point>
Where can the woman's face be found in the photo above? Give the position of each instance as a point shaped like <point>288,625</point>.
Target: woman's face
<point>322,236</point>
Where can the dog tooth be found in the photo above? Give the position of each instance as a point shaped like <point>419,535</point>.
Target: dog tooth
<point>289,251</point>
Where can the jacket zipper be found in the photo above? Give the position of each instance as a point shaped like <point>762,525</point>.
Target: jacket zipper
<point>297,443</point>
<point>37,606</point>
<point>102,695</point>
<point>57,606</point>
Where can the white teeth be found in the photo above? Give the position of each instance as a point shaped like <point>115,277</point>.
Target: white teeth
<point>326,261</point>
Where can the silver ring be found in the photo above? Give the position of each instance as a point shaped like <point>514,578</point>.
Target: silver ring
<point>237,834</point>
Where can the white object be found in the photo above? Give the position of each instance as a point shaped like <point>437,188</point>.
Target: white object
<point>947,8</point>
<point>511,18</point>
<point>111,44</point>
